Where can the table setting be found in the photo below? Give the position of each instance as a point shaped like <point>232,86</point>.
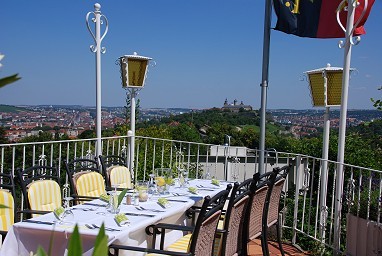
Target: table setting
<point>125,218</point>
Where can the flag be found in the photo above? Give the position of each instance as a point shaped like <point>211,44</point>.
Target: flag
<point>317,18</point>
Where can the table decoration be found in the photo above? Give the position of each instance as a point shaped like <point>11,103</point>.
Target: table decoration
<point>163,202</point>
<point>121,219</point>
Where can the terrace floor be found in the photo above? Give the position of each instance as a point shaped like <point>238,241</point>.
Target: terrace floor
<point>255,249</point>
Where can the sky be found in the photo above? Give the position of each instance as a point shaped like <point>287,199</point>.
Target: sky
<point>205,51</point>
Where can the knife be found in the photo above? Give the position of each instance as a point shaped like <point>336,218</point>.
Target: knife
<point>176,200</point>
<point>100,205</point>
<point>39,222</point>
<point>139,214</point>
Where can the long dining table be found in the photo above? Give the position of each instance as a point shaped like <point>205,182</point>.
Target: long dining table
<point>25,237</point>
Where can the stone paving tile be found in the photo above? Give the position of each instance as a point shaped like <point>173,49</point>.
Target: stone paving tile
<point>254,249</point>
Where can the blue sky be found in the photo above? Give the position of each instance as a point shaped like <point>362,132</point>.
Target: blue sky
<point>205,50</point>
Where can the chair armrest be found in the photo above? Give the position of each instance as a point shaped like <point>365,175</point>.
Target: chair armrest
<point>77,198</point>
<point>3,234</point>
<point>28,211</point>
<point>140,249</point>
<point>163,226</point>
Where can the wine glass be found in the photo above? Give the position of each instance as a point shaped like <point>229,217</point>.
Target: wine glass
<point>114,207</point>
<point>67,215</point>
<point>151,186</point>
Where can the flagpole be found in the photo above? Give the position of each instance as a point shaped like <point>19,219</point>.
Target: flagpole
<point>264,81</point>
<point>342,126</point>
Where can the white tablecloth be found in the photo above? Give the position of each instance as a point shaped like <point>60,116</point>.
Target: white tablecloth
<point>24,237</point>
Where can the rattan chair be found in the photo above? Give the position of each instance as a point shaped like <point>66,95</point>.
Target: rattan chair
<point>7,199</point>
<point>230,228</point>
<point>40,186</point>
<point>272,207</point>
<point>200,238</point>
<point>259,187</point>
<point>85,180</point>
<point>115,171</point>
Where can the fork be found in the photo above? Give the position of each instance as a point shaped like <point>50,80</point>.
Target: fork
<point>140,208</point>
<point>106,228</point>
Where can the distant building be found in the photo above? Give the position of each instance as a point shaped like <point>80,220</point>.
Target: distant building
<point>234,107</point>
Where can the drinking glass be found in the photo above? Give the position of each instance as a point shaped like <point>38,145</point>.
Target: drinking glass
<point>67,215</point>
<point>151,187</point>
<point>183,178</point>
<point>142,191</point>
<point>113,201</point>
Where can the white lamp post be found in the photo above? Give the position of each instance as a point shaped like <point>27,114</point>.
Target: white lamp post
<point>325,88</point>
<point>133,74</point>
<point>98,19</point>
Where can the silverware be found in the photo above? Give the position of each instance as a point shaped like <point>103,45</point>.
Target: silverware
<point>100,205</point>
<point>106,228</point>
<point>176,200</point>
<point>140,208</point>
<point>39,222</point>
<point>138,214</point>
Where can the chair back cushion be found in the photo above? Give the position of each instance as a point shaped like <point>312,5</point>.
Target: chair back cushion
<point>274,201</point>
<point>119,175</point>
<point>44,195</point>
<point>6,214</point>
<point>206,235</point>
<point>90,184</point>
<point>256,214</point>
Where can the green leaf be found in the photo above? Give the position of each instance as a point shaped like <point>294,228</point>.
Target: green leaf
<point>100,246</point>
<point>40,251</point>
<point>9,79</point>
<point>121,196</point>
<point>75,245</point>
<point>3,206</point>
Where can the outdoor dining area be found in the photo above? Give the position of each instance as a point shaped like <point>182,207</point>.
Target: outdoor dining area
<point>170,213</point>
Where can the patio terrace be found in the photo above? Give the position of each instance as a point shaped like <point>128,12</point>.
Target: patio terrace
<point>307,220</point>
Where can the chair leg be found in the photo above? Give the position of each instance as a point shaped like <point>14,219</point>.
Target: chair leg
<point>278,231</point>
<point>264,241</point>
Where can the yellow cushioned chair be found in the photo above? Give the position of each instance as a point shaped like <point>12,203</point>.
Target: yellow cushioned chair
<point>90,184</point>
<point>7,194</point>
<point>44,195</point>
<point>116,172</point>
<point>85,180</point>
<point>41,189</point>
<point>119,176</point>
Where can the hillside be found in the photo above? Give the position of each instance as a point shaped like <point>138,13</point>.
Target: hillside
<point>11,109</point>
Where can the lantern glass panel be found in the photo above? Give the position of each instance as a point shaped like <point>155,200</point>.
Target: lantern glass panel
<point>137,71</point>
<point>317,89</point>
<point>334,88</point>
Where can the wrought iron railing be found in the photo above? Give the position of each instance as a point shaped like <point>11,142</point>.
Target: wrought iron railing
<point>305,215</point>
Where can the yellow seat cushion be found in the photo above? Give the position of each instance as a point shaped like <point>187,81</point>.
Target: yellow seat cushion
<point>180,245</point>
<point>120,175</point>
<point>90,184</point>
<point>6,214</point>
<point>44,195</point>
<point>218,240</point>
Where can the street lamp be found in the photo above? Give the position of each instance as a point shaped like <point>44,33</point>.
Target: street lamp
<point>133,70</point>
<point>325,89</point>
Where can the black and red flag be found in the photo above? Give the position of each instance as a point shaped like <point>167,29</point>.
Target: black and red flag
<point>317,18</point>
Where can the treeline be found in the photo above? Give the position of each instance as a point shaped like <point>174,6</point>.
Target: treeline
<point>363,143</point>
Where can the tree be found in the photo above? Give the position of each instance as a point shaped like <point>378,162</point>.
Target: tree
<point>377,103</point>
<point>3,139</point>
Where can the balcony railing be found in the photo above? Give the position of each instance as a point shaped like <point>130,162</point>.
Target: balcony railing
<point>308,206</point>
